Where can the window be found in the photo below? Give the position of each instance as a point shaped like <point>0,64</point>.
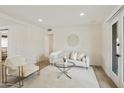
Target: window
<point>4,39</point>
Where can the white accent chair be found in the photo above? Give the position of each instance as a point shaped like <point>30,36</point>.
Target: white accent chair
<point>17,67</point>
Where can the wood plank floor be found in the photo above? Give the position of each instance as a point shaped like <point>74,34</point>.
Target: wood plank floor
<point>103,80</point>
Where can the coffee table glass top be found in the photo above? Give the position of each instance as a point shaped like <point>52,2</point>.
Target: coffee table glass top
<point>64,64</point>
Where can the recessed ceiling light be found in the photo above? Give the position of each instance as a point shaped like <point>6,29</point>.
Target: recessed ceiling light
<point>81,14</point>
<point>40,20</point>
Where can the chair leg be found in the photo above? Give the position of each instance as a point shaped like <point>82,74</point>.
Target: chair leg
<point>38,72</point>
<point>3,73</point>
<point>20,77</point>
<point>39,68</point>
<point>6,75</point>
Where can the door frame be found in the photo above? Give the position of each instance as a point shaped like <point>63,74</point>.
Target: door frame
<point>0,49</point>
<point>122,25</point>
<point>114,77</point>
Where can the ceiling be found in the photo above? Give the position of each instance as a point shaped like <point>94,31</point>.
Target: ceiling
<point>59,15</point>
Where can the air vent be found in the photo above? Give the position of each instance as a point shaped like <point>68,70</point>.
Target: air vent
<point>49,30</point>
<point>3,29</point>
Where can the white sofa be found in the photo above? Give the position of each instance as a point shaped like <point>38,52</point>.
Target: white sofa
<point>84,62</point>
<point>55,57</point>
<point>80,59</point>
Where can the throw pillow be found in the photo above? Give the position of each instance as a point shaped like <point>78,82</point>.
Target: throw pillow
<point>80,56</point>
<point>70,55</point>
<point>74,55</point>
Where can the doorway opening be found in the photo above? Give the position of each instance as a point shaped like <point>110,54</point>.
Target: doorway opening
<point>49,40</point>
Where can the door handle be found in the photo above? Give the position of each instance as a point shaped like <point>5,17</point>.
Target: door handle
<point>117,55</point>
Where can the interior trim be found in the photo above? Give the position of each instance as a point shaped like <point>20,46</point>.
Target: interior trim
<point>115,13</point>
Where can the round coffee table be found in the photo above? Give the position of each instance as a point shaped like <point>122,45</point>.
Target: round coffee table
<point>64,68</point>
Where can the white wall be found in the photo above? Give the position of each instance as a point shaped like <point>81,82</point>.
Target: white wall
<point>89,36</point>
<point>27,41</point>
<point>24,39</point>
<point>106,48</point>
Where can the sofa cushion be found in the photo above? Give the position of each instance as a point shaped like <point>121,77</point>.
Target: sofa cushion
<point>73,55</point>
<point>77,63</point>
<point>80,56</point>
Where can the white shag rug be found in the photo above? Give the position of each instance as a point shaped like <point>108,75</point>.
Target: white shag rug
<point>81,78</point>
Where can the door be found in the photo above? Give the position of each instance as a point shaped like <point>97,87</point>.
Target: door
<point>115,49</point>
<point>115,66</point>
